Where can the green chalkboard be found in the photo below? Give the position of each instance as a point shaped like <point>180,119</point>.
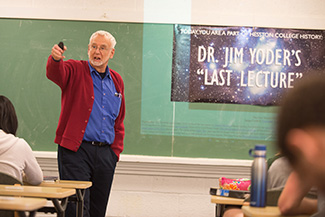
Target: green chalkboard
<point>26,45</point>
<point>155,125</point>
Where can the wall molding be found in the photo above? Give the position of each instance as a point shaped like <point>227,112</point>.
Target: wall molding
<point>163,166</point>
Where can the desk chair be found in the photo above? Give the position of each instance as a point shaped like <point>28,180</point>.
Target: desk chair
<point>7,179</point>
<point>273,195</point>
<point>222,203</point>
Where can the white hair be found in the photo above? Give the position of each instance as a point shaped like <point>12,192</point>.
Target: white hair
<point>108,35</point>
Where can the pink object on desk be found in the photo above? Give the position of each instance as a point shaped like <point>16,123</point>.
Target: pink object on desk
<point>242,184</point>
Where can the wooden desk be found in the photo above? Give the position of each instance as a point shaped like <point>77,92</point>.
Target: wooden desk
<point>79,186</point>
<point>67,184</point>
<point>269,211</point>
<point>54,194</point>
<point>221,201</point>
<point>22,204</point>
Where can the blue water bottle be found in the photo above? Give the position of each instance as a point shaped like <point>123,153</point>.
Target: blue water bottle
<point>258,176</point>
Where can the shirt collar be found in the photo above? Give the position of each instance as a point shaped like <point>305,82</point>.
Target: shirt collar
<point>92,69</point>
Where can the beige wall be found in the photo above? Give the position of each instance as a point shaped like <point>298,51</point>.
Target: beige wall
<point>262,13</point>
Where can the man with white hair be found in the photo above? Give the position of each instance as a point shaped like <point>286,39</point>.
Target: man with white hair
<point>90,131</point>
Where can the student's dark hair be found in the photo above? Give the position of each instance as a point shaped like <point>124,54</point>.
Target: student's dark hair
<point>8,118</point>
<point>302,107</point>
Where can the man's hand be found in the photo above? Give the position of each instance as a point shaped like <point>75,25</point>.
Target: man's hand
<point>57,52</point>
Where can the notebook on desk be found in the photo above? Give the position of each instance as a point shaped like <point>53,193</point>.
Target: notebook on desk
<point>229,193</point>
<point>50,178</point>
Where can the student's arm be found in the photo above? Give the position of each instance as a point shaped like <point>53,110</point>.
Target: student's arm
<point>32,172</point>
<point>293,201</point>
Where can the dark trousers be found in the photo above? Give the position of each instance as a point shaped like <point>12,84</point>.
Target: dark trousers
<point>89,163</point>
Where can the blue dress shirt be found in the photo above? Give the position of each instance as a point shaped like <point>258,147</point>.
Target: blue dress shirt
<point>106,107</point>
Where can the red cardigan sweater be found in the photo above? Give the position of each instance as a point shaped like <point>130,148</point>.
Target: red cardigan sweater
<point>77,98</point>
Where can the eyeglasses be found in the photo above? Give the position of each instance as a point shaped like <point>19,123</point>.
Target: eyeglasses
<point>101,48</point>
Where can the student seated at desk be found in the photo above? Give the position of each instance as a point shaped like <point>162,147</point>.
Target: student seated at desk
<point>16,156</point>
<point>301,138</point>
<point>279,170</point>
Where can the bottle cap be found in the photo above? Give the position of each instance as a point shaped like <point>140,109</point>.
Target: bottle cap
<point>260,147</point>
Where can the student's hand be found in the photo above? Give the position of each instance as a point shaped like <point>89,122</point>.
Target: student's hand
<point>292,201</point>
<point>57,52</point>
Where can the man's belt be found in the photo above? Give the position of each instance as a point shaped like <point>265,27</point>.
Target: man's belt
<point>95,143</point>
